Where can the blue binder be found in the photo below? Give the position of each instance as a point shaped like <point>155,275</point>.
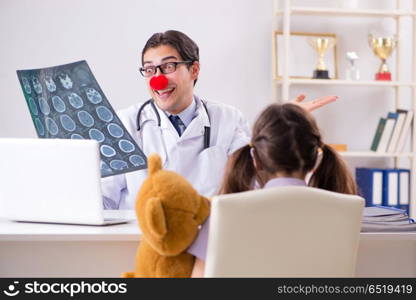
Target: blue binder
<point>391,187</point>
<point>404,189</point>
<point>370,185</point>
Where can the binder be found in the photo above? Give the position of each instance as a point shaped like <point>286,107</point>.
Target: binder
<point>370,185</point>
<point>391,187</point>
<point>404,189</point>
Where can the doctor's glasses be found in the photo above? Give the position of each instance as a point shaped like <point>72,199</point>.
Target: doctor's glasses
<point>165,68</point>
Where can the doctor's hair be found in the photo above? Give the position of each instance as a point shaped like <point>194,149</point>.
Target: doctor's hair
<point>286,140</point>
<point>186,47</point>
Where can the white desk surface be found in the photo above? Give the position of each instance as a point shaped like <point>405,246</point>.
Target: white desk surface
<point>20,231</point>
<point>30,249</point>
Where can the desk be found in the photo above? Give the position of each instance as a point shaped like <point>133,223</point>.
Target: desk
<point>52,250</point>
<point>387,255</point>
<point>36,250</point>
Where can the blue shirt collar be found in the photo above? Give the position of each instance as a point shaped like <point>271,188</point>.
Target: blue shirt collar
<point>188,114</point>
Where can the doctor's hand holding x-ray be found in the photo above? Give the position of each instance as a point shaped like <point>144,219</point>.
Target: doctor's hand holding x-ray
<point>193,136</point>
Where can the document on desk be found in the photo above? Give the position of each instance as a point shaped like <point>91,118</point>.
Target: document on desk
<point>66,102</point>
<point>386,219</point>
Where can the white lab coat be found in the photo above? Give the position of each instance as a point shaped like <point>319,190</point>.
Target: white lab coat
<point>183,154</point>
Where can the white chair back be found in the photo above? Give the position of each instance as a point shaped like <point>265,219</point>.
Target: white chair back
<point>284,232</point>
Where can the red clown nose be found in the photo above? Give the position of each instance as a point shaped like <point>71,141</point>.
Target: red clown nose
<point>159,82</point>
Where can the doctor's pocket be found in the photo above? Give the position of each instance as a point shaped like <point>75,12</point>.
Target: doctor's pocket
<point>211,165</point>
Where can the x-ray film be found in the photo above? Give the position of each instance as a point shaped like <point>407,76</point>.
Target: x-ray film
<point>66,102</point>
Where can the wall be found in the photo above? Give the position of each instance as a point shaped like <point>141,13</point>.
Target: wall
<point>235,48</point>
<point>233,36</point>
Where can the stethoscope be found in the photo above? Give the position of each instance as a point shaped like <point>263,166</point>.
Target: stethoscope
<point>207,129</point>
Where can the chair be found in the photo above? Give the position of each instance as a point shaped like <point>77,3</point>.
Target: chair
<point>284,232</point>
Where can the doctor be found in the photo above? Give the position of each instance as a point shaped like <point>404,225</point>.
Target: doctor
<point>193,136</point>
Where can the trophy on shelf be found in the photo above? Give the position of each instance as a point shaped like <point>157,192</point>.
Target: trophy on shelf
<point>382,47</point>
<point>352,72</point>
<point>321,45</point>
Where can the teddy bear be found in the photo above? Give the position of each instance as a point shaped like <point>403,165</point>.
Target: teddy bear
<point>169,211</point>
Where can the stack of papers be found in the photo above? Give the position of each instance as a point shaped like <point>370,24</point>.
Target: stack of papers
<point>386,219</point>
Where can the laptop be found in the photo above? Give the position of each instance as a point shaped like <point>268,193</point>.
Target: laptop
<point>52,181</point>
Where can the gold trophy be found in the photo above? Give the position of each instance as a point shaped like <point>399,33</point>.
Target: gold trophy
<point>382,47</point>
<point>321,45</point>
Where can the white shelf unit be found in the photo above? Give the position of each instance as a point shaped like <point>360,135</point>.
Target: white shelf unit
<point>371,154</point>
<point>345,82</point>
<point>286,11</point>
<point>310,11</point>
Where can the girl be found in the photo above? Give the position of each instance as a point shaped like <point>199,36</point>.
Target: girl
<point>284,148</point>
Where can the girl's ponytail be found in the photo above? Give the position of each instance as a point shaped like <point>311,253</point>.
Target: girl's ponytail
<point>332,173</point>
<point>239,172</point>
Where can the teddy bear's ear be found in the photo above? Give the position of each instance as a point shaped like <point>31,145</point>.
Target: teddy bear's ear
<point>155,218</point>
<point>155,163</point>
<point>203,210</point>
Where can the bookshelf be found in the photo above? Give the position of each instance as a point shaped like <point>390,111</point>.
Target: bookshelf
<point>294,10</point>
<point>283,11</point>
<point>371,154</point>
<point>345,82</point>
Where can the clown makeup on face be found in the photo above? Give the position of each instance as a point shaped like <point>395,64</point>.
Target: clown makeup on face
<point>178,93</point>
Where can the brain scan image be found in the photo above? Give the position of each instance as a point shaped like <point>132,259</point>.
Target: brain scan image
<point>44,106</point>
<point>85,118</point>
<point>26,85</point>
<point>51,126</point>
<point>96,134</point>
<point>58,104</point>
<point>117,164</point>
<point>39,127</point>
<point>76,136</point>
<point>67,123</point>
<point>75,100</point>
<point>107,151</point>
<point>36,85</point>
<point>66,81</point>
<point>137,160</point>
<point>93,96</point>
<point>32,106</point>
<point>67,102</point>
<point>105,169</point>
<point>115,130</point>
<point>50,84</point>
<point>126,146</point>
<point>104,113</point>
